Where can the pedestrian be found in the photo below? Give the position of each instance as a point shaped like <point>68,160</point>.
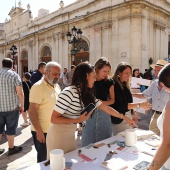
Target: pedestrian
<point>63,80</point>
<point>133,85</point>
<point>66,114</point>
<point>26,85</point>
<point>157,94</point>
<point>70,74</point>
<point>43,97</point>
<point>99,126</point>
<point>147,75</point>
<point>123,98</point>
<point>161,159</point>
<point>12,102</point>
<point>38,74</point>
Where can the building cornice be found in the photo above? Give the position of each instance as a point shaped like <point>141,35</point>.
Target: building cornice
<point>135,8</point>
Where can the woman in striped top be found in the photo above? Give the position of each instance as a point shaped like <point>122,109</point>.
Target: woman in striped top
<point>67,110</point>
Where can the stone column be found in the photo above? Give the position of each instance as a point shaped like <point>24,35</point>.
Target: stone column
<point>36,55</point>
<point>1,56</point>
<point>144,45</point>
<point>30,55</point>
<point>135,41</point>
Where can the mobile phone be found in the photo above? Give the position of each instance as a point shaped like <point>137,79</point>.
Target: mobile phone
<point>89,108</point>
<point>142,165</point>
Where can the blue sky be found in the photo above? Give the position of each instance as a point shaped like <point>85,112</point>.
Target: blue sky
<point>52,5</point>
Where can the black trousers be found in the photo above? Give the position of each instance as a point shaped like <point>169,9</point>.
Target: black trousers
<point>40,147</point>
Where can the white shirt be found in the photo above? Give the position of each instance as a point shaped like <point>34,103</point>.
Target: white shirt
<point>159,97</point>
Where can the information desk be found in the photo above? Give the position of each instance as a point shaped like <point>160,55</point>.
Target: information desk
<point>128,154</point>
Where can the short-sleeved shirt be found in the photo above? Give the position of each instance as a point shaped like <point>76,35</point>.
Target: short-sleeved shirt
<point>36,76</point>
<point>159,97</point>
<point>102,89</point>
<point>68,103</point>
<point>46,97</point>
<point>9,79</point>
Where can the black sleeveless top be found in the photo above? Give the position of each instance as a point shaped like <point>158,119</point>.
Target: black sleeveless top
<point>122,98</point>
<point>102,89</point>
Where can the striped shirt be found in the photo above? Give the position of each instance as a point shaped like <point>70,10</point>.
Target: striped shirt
<point>159,97</point>
<point>8,95</point>
<point>68,103</point>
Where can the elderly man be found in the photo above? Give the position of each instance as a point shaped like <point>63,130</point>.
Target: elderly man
<point>157,93</point>
<point>43,96</point>
<point>11,102</point>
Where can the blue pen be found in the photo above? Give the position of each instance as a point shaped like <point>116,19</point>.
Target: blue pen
<point>153,148</point>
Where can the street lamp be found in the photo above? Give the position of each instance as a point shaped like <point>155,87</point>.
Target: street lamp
<point>13,51</point>
<point>74,39</point>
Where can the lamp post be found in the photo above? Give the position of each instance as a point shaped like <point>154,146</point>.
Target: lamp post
<point>74,39</point>
<point>13,51</point>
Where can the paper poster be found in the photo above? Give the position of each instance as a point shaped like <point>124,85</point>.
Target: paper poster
<point>144,82</point>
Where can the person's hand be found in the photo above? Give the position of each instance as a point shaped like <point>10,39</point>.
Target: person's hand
<point>135,117</point>
<point>84,117</point>
<point>145,105</point>
<point>40,137</point>
<point>21,109</point>
<point>131,123</point>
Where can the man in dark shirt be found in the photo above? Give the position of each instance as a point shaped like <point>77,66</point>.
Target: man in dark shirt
<point>37,74</point>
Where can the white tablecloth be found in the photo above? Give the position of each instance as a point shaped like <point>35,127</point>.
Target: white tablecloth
<point>100,154</point>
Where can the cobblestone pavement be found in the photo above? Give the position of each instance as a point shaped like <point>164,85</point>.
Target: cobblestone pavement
<point>28,156</point>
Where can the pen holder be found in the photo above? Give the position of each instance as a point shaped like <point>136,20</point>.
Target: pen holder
<point>57,160</point>
<point>130,137</point>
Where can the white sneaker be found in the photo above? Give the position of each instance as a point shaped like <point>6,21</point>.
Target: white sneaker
<point>25,124</point>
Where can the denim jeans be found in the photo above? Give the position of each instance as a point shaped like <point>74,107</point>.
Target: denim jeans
<point>40,147</point>
<point>97,128</point>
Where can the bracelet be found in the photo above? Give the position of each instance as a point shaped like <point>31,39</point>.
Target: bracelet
<point>138,105</point>
<point>121,116</point>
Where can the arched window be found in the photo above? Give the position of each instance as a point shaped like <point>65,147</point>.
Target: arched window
<point>82,45</point>
<point>46,54</point>
<point>24,61</point>
<point>83,52</point>
<point>24,55</point>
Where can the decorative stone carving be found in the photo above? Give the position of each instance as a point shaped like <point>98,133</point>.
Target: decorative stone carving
<point>19,4</point>
<point>28,7</point>
<point>159,25</point>
<point>31,43</point>
<point>136,9</point>
<point>54,37</point>
<point>1,51</point>
<point>62,35</point>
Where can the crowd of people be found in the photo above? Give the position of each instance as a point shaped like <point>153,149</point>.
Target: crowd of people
<point>53,101</point>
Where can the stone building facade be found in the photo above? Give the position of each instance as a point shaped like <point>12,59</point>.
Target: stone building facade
<point>120,30</point>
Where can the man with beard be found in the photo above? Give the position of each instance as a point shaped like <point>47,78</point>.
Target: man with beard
<point>43,97</point>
